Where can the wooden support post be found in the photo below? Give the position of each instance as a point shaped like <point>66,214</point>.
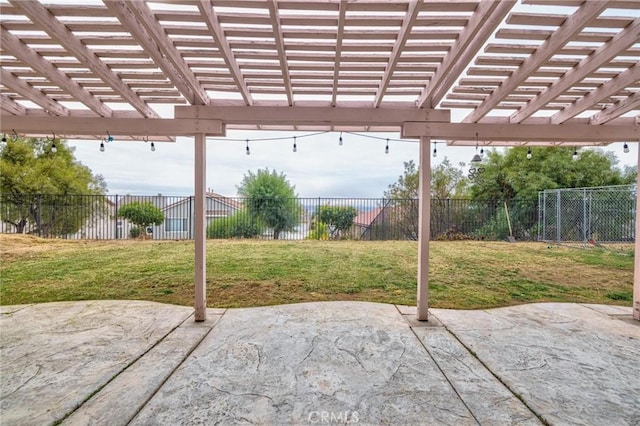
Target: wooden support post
<point>636,264</point>
<point>200,228</point>
<point>424,220</point>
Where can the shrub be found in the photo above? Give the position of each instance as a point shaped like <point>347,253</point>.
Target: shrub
<point>319,232</point>
<point>134,232</point>
<point>238,225</point>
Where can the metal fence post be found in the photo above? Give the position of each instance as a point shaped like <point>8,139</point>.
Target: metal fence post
<point>115,218</point>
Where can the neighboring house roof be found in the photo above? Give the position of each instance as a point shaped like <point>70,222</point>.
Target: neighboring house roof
<point>230,202</point>
<point>366,218</point>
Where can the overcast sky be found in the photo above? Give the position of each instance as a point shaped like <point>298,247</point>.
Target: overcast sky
<point>320,168</point>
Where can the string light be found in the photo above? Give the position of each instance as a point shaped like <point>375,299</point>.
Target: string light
<point>153,147</point>
<point>248,151</point>
<point>435,149</point>
<point>54,148</point>
<point>102,145</point>
<point>386,148</point>
<point>575,154</point>
<point>4,137</point>
<point>295,146</point>
<point>482,152</point>
<point>529,155</point>
<point>340,140</point>
<point>625,148</point>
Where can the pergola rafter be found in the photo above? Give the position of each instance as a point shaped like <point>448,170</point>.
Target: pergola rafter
<point>34,95</point>
<point>567,30</point>
<point>398,47</point>
<point>599,58</point>
<point>139,19</point>
<point>481,26</point>
<point>610,88</point>
<point>41,16</point>
<point>27,55</point>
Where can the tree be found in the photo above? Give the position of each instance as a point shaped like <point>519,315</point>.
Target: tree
<point>510,175</point>
<point>447,181</point>
<point>271,199</point>
<point>141,214</point>
<point>337,218</point>
<point>45,190</point>
<point>238,225</point>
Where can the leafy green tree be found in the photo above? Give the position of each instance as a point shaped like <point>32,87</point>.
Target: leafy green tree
<point>447,181</point>
<point>271,199</point>
<point>46,190</point>
<point>239,225</point>
<point>337,218</point>
<point>141,214</point>
<point>510,175</point>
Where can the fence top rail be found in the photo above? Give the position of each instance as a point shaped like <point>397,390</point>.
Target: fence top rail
<point>629,187</point>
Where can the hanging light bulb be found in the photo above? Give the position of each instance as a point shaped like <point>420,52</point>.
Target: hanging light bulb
<point>482,152</point>
<point>102,146</point>
<point>477,159</point>
<point>386,148</point>
<point>529,155</point>
<point>435,149</point>
<point>295,146</point>
<point>248,150</point>
<point>340,140</point>
<point>575,154</point>
<point>54,148</point>
<point>4,137</point>
<point>625,148</point>
<point>153,147</point>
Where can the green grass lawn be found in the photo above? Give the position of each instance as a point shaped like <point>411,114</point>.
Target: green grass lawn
<point>464,274</point>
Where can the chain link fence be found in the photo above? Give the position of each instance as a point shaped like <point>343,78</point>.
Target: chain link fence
<point>96,217</point>
<point>588,216</point>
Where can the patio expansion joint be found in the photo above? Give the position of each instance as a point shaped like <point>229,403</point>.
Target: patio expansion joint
<point>127,366</point>
<point>184,358</point>
<point>497,377</point>
<point>444,375</point>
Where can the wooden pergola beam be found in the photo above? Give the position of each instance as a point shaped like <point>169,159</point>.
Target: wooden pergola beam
<point>12,107</point>
<point>616,110</point>
<point>57,30</point>
<point>88,127</point>
<point>34,95</point>
<point>142,25</point>
<point>336,116</point>
<point>13,45</point>
<point>282,54</point>
<point>571,133</point>
<point>488,15</point>
<point>407,24</point>
<point>342,13</point>
<point>206,10</point>
<point>591,63</point>
<point>571,26</point>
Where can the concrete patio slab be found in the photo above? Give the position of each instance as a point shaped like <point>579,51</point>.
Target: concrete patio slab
<point>571,364</point>
<point>130,362</point>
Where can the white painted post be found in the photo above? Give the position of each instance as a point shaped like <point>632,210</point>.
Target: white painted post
<point>636,263</point>
<point>424,219</point>
<point>200,228</point>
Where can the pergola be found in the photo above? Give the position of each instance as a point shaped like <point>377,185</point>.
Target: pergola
<point>529,72</point>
